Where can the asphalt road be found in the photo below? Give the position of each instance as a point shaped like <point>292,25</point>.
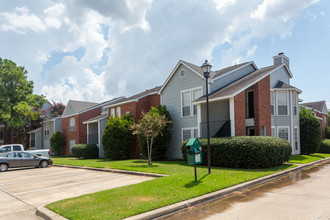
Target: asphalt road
<point>22,191</point>
<point>302,195</point>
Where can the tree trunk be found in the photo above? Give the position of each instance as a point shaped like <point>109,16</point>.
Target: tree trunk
<point>150,153</point>
<point>12,130</point>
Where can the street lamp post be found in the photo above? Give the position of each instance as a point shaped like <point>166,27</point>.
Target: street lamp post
<point>206,67</point>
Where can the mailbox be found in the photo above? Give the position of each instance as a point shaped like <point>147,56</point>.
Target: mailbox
<point>194,152</point>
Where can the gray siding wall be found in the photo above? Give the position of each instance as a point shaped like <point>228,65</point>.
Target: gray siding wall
<point>227,79</point>
<point>171,97</point>
<point>38,139</point>
<point>102,124</point>
<point>279,75</point>
<point>58,125</point>
<point>46,138</point>
<point>69,110</point>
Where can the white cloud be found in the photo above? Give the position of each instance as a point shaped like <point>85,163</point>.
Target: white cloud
<point>140,41</point>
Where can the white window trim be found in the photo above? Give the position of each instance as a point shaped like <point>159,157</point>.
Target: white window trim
<point>287,103</point>
<point>273,94</point>
<point>191,132</point>
<point>275,133</point>
<point>279,127</point>
<point>191,101</point>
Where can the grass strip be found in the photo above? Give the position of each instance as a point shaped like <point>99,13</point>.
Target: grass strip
<point>131,200</point>
<point>303,159</point>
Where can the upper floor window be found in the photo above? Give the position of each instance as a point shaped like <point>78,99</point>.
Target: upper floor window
<point>295,104</point>
<point>282,103</point>
<point>72,125</point>
<point>188,108</point>
<point>272,103</point>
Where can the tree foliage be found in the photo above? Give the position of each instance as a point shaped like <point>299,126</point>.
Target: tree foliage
<point>162,142</point>
<point>117,138</point>
<point>310,132</point>
<point>16,96</point>
<point>151,125</point>
<point>56,109</point>
<point>57,143</point>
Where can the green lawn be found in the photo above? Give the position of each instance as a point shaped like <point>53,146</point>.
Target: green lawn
<point>130,200</point>
<point>302,159</point>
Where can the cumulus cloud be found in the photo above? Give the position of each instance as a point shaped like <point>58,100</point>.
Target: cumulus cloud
<point>131,46</point>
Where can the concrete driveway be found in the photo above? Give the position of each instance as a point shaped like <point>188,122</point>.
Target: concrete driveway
<point>22,191</point>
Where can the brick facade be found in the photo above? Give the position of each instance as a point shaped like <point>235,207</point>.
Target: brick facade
<point>239,108</point>
<point>80,133</point>
<point>143,105</point>
<point>324,124</point>
<point>262,117</point>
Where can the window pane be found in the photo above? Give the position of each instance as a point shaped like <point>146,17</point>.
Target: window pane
<point>113,112</point>
<point>272,109</point>
<point>195,133</point>
<point>186,134</point>
<point>282,110</point>
<point>186,111</point>
<point>283,133</point>
<point>273,132</point>
<point>16,148</point>
<point>282,98</point>
<point>195,109</point>
<point>197,93</point>
<point>186,99</point>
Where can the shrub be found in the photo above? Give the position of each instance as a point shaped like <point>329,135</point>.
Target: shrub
<point>162,142</point>
<point>325,146</point>
<point>310,132</point>
<point>117,138</point>
<point>327,133</point>
<point>245,151</point>
<point>57,143</point>
<point>86,151</point>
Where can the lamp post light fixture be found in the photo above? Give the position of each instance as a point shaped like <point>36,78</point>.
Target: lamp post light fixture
<point>206,67</point>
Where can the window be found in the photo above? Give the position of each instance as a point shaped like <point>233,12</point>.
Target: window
<point>72,125</point>
<point>17,148</point>
<point>71,143</point>
<point>118,114</point>
<point>273,131</point>
<point>188,108</point>
<point>296,138</point>
<point>272,103</point>
<point>283,132</point>
<point>295,104</point>
<point>46,129</point>
<point>263,131</point>
<point>27,155</point>
<point>282,103</point>
<point>5,149</point>
<point>189,133</point>
<point>112,113</point>
<point>182,73</point>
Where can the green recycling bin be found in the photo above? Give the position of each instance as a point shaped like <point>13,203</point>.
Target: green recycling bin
<point>194,152</point>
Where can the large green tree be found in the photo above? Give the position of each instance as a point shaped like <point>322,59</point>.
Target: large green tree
<point>17,99</point>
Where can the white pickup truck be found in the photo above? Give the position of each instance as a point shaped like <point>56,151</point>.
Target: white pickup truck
<point>18,147</point>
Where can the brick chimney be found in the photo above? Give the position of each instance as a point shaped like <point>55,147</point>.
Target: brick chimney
<point>281,58</point>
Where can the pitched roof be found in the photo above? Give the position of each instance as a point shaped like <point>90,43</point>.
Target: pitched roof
<point>97,118</point>
<point>282,85</point>
<point>81,105</point>
<point>315,105</point>
<point>140,95</point>
<point>227,69</point>
<point>239,84</point>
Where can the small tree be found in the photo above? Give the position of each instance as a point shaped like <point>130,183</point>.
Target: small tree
<point>310,132</point>
<point>150,127</point>
<point>56,109</point>
<point>117,138</point>
<point>162,142</point>
<point>57,142</point>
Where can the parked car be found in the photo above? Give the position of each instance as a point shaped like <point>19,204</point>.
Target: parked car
<point>22,159</point>
<point>19,147</point>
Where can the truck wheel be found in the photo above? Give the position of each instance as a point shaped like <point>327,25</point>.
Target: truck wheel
<point>3,167</point>
<point>43,164</point>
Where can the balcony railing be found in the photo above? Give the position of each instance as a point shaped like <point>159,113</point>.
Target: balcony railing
<point>93,139</point>
<point>217,129</point>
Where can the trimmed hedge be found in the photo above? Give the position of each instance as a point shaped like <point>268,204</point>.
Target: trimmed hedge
<point>86,151</point>
<point>327,132</point>
<point>245,151</point>
<point>57,143</point>
<point>325,146</point>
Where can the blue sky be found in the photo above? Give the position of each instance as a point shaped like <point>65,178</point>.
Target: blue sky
<point>98,50</point>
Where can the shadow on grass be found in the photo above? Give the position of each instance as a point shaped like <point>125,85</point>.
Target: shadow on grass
<point>195,183</point>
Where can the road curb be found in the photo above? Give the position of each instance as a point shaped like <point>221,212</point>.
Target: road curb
<point>113,171</point>
<point>157,213</point>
